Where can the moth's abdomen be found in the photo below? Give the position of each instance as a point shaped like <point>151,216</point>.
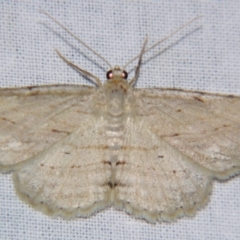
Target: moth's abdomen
<point>114,132</point>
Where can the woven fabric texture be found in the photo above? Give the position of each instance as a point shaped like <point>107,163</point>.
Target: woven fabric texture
<point>203,56</point>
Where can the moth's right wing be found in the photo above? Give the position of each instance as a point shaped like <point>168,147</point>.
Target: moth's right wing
<point>71,177</point>
<point>33,118</point>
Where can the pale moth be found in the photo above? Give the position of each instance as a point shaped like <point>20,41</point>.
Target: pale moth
<point>75,150</point>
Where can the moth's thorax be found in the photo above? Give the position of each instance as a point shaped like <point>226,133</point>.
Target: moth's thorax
<point>116,92</point>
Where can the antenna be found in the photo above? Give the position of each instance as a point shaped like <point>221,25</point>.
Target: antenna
<point>162,40</point>
<point>137,71</point>
<point>78,39</point>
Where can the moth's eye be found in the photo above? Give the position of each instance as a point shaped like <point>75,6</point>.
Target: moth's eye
<point>124,74</point>
<point>109,74</point>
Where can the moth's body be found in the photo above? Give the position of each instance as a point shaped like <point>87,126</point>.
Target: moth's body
<point>114,105</point>
<point>115,108</point>
<point>75,150</point>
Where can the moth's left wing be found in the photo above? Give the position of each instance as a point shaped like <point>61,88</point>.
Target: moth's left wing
<point>153,180</point>
<point>33,118</point>
<point>204,127</point>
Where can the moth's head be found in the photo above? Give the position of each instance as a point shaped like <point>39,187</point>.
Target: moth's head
<point>117,79</point>
<point>116,74</point>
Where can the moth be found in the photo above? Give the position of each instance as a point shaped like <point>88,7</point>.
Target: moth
<point>75,150</point>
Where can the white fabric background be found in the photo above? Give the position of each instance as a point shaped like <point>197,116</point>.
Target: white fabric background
<point>203,56</point>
